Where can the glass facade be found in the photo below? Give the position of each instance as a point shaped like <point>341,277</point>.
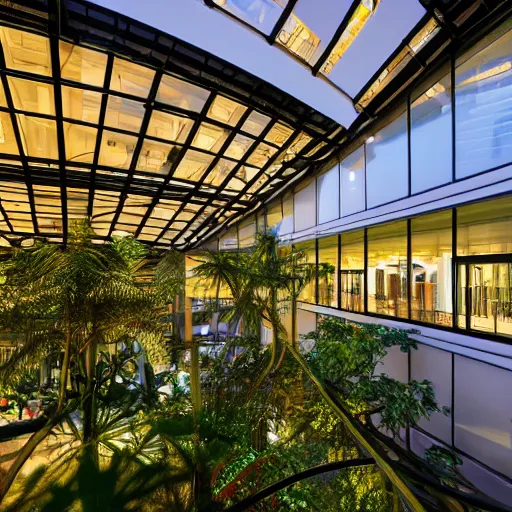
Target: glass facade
<point>328,195</point>
<point>352,270</point>
<point>353,189</point>
<point>308,293</point>
<point>328,268</point>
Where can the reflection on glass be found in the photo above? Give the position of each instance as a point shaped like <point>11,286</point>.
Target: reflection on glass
<point>483,85</point>
<point>124,114</point>
<point>229,241</point>
<point>193,165</point>
<point>117,149</point>
<point>131,78</point>
<point>226,111</point>
<point>179,93</point>
<point>210,137</point>
<point>431,126</point>
<point>431,287</point>
<point>81,64</point>
<point>352,270</point>
<point>157,157</point>
<point>25,51</point>
<point>278,134</point>
<point>80,104</point>
<point>247,232</point>
<point>387,269</point>
<point>352,183</point>
<point>32,96</point>
<point>299,39</point>
<point>7,140</point>
<point>287,222</point>
<point>489,295</point>
<point>220,172</point>
<point>39,136</point>
<point>386,164</point>
<point>328,271</point>
<point>80,142</point>
<point>274,216</point>
<point>238,147</point>
<point>308,293</point>
<point>328,191</point>
<point>255,123</point>
<point>169,126</point>
<point>485,228</point>
<point>261,155</point>
<point>261,14</point>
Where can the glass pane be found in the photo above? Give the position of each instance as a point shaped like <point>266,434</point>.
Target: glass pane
<point>131,78</point>
<point>483,85</point>
<point>81,64</point>
<point>352,270</point>
<point>193,165</point>
<point>278,134</point>
<point>39,136</point>
<point>80,142</point>
<point>328,271</point>
<point>352,183</point>
<point>308,292</point>
<point>7,140</point>
<point>274,216</point>
<point>220,172</point>
<point>387,269</point>
<point>386,164</point>
<point>157,157</point>
<point>32,96</point>
<point>81,104</point>
<point>226,111</point>
<point>179,93</point>
<point>247,232</point>
<point>485,228</point>
<point>261,14</point>
<point>210,137</point>
<point>305,207</point>
<point>25,51</point>
<point>300,40</point>
<point>238,147</point>
<point>328,191</point>
<point>229,241</point>
<point>169,126</point>
<point>117,149</point>
<point>255,123</point>
<point>261,155</point>
<point>431,246</point>
<point>287,222</point>
<point>124,114</point>
<point>431,127</point>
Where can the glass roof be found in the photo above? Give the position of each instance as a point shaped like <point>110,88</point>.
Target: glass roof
<point>140,150</point>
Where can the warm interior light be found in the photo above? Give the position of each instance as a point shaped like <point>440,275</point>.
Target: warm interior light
<point>2,133</point>
<point>484,75</point>
<point>362,14</point>
<point>298,38</point>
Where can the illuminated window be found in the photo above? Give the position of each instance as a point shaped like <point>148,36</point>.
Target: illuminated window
<point>80,104</point>
<point>39,136</point>
<point>7,140</point>
<point>179,93</point>
<point>210,137</point>
<point>131,78</point>
<point>117,149</point>
<point>352,270</point>
<point>328,192</point>
<point>157,157</point>
<point>431,287</point>
<point>353,183</point>
<point>81,64</point>
<point>32,96</point>
<point>124,114</point>
<point>299,39</point>
<point>328,271</point>
<point>247,232</point>
<point>308,293</point>
<point>226,111</point>
<point>387,269</point>
<point>80,142</point>
<point>169,126</point>
<point>255,123</point>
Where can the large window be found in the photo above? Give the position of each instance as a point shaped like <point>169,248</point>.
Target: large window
<point>308,293</point>
<point>274,216</point>
<point>229,241</point>
<point>431,136</point>
<point>483,92</point>
<point>484,265</point>
<point>387,164</point>
<point>352,183</point>
<point>247,232</point>
<point>328,271</point>
<point>287,222</point>
<point>328,195</point>
<point>431,286</point>
<point>352,270</point>
<point>304,207</point>
<point>387,269</point>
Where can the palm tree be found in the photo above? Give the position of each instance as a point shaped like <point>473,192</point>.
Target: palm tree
<point>70,300</point>
<point>263,281</point>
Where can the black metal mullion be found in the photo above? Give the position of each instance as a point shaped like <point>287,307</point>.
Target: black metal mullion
<point>409,146</point>
<point>365,275</point>
<point>6,217</point>
<point>317,266</point>
<point>271,38</point>
<point>335,38</point>
<point>101,122</point>
<point>455,270</point>
<point>454,133</point>
<point>138,147</point>
<point>409,268</point>
<point>186,146</point>
<point>339,270</point>
<point>17,136</point>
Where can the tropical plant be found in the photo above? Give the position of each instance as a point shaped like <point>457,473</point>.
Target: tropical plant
<point>70,301</point>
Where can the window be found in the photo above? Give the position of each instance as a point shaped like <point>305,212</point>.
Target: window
<point>287,222</point>
<point>387,269</point>
<point>386,164</point>
<point>431,136</point>
<point>483,87</point>
<point>352,183</point>
<point>274,216</point>
<point>304,208</point>
<point>328,271</point>
<point>328,195</point>
<point>431,287</point>
<point>229,241</point>
<point>247,232</point>
<point>352,270</point>
<point>308,293</point>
